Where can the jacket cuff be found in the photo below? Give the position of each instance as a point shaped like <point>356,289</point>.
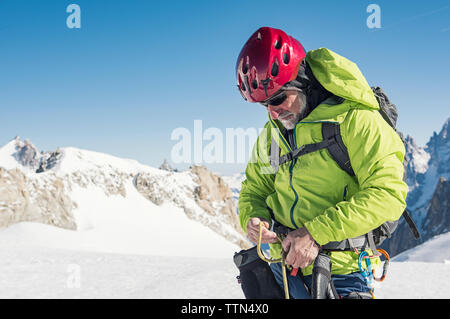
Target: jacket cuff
<point>319,231</point>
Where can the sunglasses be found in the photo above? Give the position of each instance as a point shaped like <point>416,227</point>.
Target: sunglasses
<point>275,100</point>
<point>281,96</point>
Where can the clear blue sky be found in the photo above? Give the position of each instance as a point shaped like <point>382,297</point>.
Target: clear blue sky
<point>136,70</point>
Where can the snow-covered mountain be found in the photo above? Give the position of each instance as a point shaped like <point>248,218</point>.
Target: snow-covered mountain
<point>428,173</point>
<point>426,165</point>
<point>416,163</point>
<point>103,203</point>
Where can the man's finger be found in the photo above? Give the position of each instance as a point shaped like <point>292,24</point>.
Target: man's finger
<point>271,240</point>
<point>267,236</point>
<point>255,222</point>
<point>286,244</point>
<point>252,234</point>
<point>266,224</point>
<point>253,226</point>
<point>291,258</point>
<point>268,233</point>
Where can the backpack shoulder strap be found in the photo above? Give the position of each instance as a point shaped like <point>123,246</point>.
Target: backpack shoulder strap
<point>411,224</point>
<point>331,140</point>
<point>276,160</point>
<point>274,155</point>
<point>337,150</point>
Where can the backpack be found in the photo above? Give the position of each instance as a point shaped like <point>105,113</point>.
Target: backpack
<point>332,141</point>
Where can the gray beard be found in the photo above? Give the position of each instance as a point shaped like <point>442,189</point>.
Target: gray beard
<point>291,122</point>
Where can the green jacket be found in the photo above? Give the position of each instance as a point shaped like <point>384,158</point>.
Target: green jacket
<point>313,191</point>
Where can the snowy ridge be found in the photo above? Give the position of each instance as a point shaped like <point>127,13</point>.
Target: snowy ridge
<point>112,212</point>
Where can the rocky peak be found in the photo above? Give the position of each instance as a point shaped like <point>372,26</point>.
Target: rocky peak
<point>29,156</point>
<point>165,166</point>
<point>26,153</point>
<point>438,215</point>
<point>441,138</point>
<point>416,156</point>
<point>211,186</point>
<point>439,149</point>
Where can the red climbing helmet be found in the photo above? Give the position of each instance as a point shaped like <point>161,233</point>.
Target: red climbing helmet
<point>269,59</point>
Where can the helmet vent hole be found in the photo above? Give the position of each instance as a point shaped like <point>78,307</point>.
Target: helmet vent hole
<point>243,87</point>
<point>255,84</point>
<point>286,58</point>
<point>278,44</point>
<point>245,69</point>
<point>274,69</point>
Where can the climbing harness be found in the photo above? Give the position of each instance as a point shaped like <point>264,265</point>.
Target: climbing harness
<point>322,284</point>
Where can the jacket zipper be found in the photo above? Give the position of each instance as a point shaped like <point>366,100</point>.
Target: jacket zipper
<point>292,139</point>
<point>295,193</point>
<point>293,143</point>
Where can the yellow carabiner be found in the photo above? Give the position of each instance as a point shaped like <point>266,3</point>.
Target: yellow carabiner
<point>272,260</point>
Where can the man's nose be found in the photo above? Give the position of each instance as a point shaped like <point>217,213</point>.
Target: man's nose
<point>274,111</point>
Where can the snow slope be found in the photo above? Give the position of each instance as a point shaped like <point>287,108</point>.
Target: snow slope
<point>421,272</point>
<point>28,271</point>
<point>415,280</point>
<point>109,224</point>
<point>436,250</point>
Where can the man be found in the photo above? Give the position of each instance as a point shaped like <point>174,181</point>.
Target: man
<point>311,195</point>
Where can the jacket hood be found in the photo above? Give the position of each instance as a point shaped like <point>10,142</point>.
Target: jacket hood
<point>341,77</point>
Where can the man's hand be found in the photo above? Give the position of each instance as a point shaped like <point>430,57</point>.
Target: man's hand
<point>300,247</point>
<point>267,236</point>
